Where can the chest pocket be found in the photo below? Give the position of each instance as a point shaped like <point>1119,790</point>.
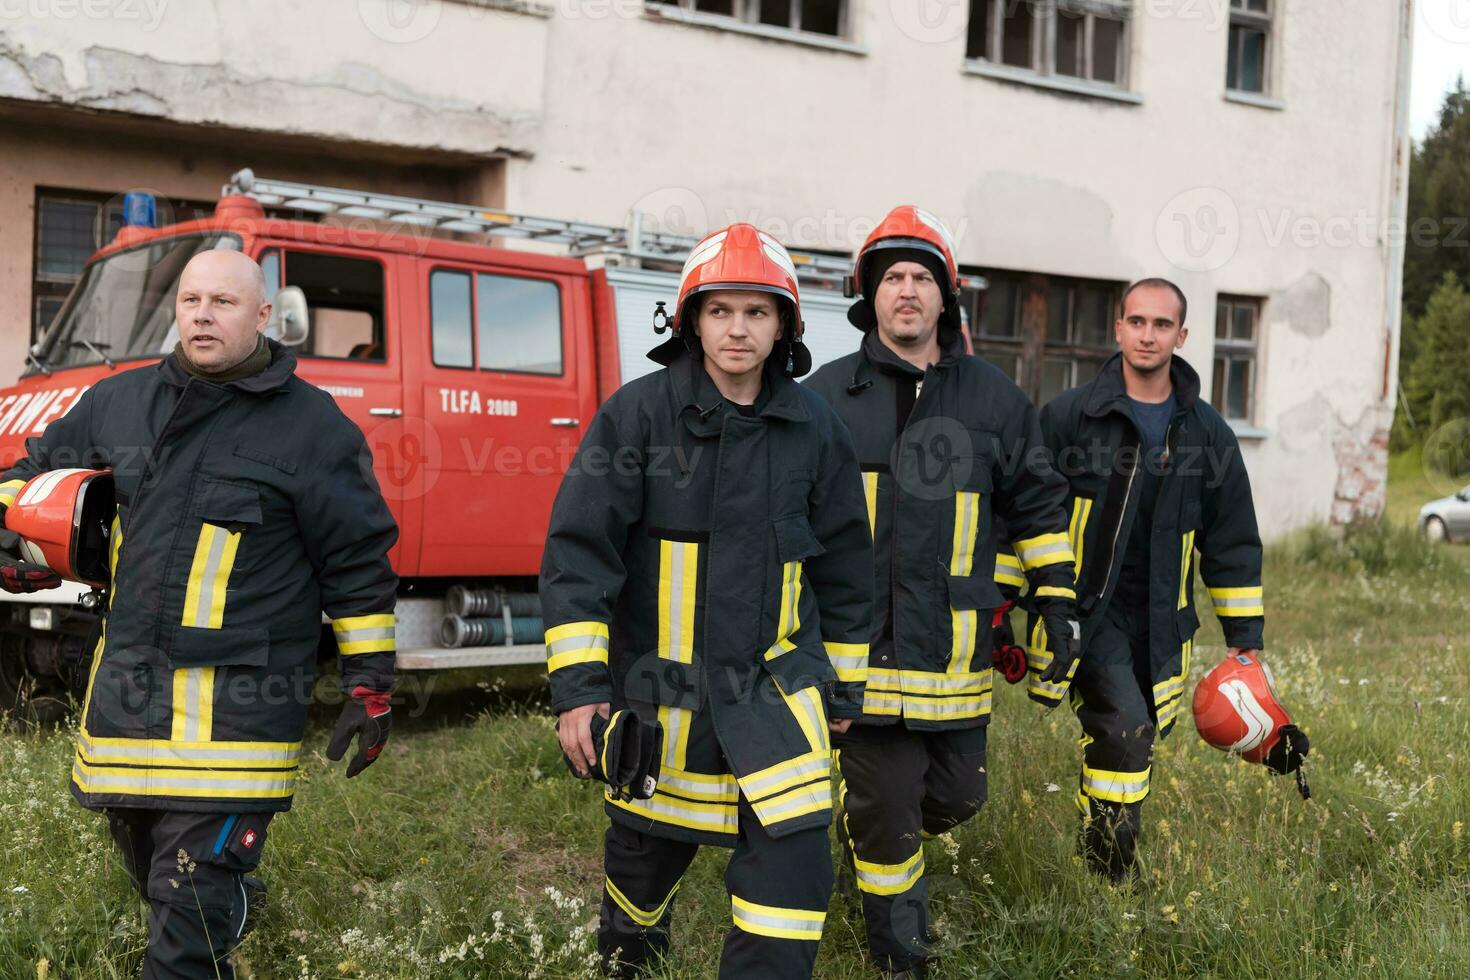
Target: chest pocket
<point>227,511</point>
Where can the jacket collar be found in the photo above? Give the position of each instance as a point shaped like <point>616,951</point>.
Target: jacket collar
<point>273,378</point>
<point>701,405</point>
<point>882,357</point>
<point>1109,393</point>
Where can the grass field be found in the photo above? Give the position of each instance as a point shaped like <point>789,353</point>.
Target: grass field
<point>468,851</point>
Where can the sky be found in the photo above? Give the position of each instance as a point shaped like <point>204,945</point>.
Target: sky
<point>1441,52</point>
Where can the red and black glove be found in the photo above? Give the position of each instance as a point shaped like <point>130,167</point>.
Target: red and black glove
<point>368,715</point>
<point>1008,658</point>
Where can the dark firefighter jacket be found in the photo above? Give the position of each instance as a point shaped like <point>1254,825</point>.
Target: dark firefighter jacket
<point>944,453</point>
<point>244,511</point>
<point>698,566</point>
<point>1204,504</point>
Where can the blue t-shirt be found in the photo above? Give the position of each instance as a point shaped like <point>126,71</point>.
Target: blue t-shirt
<point>1153,420</point>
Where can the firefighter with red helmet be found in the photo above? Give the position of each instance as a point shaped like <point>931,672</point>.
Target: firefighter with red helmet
<point>256,513</point>
<point>948,447</point>
<point>697,579</point>
<point>1157,483</point>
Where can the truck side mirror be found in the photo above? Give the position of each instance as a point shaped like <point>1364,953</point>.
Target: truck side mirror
<point>289,323</point>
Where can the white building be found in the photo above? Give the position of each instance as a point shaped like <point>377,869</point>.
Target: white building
<point>1255,151</point>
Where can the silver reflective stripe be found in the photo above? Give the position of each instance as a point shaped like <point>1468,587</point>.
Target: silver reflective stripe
<point>673,721</point>
<point>1238,602</point>
<point>841,662</point>
<point>725,792</point>
<point>191,703</point>
<point>584,642</point>
<point>206,577</point>
<point>163,755</point>
<point>1110,784</point>
<point>370,633</point>
<point>912,871</point>
<point>820,793</point>
<point>140,780</point>
<point>811,767</point>
<point>1028,555</point>
<point>723,821</point>
<point>931,709</point>
<point>961,684</point>
<point>762,921</point>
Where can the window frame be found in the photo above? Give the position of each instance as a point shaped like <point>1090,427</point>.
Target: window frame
<point>284,248</point>
<point>1266,24</point>
<point>473,366</point>
<point>1226,348</point>
<point>474,272</point>
<point>746,16</point>
<point>1045,16</point>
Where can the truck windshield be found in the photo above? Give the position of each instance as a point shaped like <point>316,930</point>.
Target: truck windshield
<point>123,307</point>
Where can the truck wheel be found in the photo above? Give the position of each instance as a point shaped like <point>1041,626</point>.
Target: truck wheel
<point>1434,531</point>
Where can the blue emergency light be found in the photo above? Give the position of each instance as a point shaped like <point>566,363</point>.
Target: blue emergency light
<point>140,209</point>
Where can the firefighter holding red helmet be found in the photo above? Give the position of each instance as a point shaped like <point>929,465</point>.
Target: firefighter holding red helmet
<point>256,513</point>
<point>947,446</point>
<point>697,580</point>
<point>1157,489</point>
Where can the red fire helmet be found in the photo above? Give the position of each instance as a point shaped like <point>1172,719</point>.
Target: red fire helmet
<point>1236,709</point>
<point>738,257</point>
<point>910,227</point>
<point>63,518</point>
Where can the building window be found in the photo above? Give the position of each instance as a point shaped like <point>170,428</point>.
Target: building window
<point>345,302</point>
<point>1237,336</point>
<point>828,17</point>
<point>1085,40</point>
<point>1250,37</point>
<point>520,324</point>
<point>70,227</point>
<point>1048,333</point>
<point>450,318</point>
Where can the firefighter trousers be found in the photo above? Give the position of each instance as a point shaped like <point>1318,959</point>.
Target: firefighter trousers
<point>1111,696</point>
<point>779,889</point>
<point>190,868</point>
<point>898,787</point>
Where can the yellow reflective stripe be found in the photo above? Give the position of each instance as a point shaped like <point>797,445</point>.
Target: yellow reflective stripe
<point>195,783</point>
<point>962,626</point>
<point>699,787</point>
<point>775,922</point>
<point>1044,550</point>
<point>214,557</point>
<point>172,754</point>
<point>8,490</point>
<point>1239,601</point>
<point>374,633</point>
<point>807,708</point>
<point>1114,787</point>
<point>647,919</point>
<point>1008,570</point>
<point>1055,590</point>
<point>889,879</point>
<point>576,643</point>
<point>1077,532</point>
<point>812,797</point>
<point>849,660</point>
<point>789,620</point>
<point>966,520</point>
<point>114,549</point>
<point>372,621</point>
<point>678,569</point>
<point>870,494</point>
<point>193,704</point>
<point>719,818</point>
<point>606,742</point>
<point>92,676</point>
<point>1185,560</point>
<point>953,708</point>
<point>782,776</point>
<point>676,723</point>
<point>883,694</point>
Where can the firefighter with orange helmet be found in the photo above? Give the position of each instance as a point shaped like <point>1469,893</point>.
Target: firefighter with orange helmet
<point>697,578</point>
<point>256,513</point>
<point>948,447</point>
<point>1157,488</point>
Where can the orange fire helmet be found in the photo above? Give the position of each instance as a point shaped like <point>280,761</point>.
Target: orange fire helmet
<point>912,229</point>
<point>1236,709</point>
<point>63,518</point>
<point>738,257</point>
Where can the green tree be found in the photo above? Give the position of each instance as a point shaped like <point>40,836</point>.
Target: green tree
<point>1437,386</point>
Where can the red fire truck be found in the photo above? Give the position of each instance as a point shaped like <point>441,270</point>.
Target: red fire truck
<point>470,355</point>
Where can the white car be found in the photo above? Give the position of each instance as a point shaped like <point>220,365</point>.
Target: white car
<point>1447,519</point>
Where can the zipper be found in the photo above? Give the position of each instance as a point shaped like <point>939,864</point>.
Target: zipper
<point>1127,495</point>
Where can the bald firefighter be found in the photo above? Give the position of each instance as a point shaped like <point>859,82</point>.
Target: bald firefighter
<point>1157,483</point>
<point>697,576</point>
<point>255,512</point>
<point>948,445</point>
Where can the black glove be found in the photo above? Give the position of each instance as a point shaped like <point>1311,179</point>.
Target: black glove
<point>23,576</point>
<point>368,715</point>
<point>1052,658</point>
<point>626,754</point>
<point>1287,754</point>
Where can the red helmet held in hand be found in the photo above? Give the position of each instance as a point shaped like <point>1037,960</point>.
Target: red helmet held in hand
<point>64,518</point>
<point>1236,709</point>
